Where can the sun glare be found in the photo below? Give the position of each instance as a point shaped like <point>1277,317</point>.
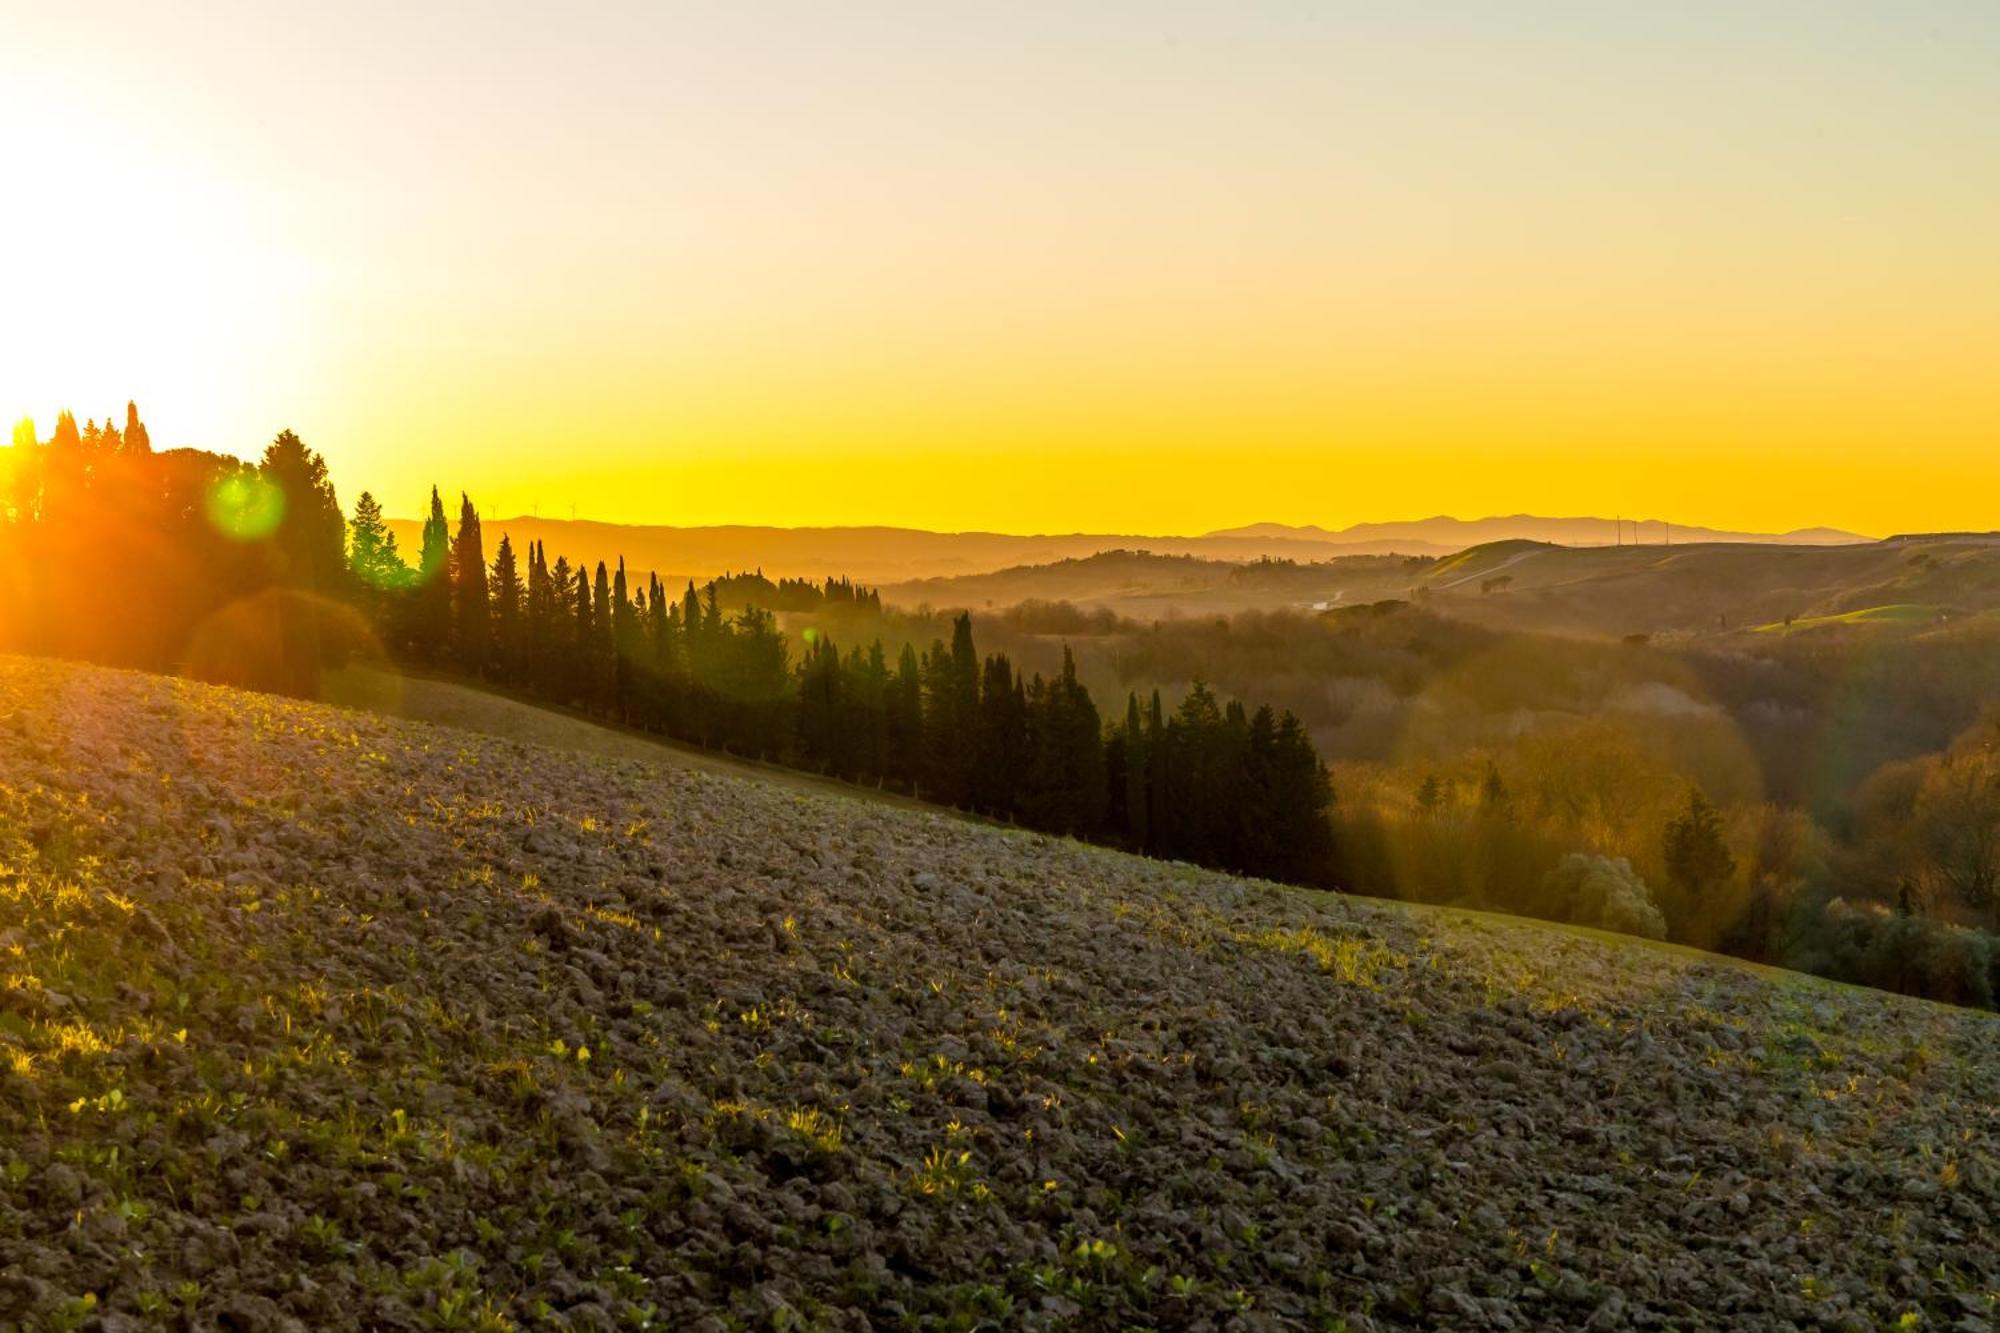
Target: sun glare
<point>118,266</point>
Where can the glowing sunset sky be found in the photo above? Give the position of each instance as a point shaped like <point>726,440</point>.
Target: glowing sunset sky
<point>1129,267</point>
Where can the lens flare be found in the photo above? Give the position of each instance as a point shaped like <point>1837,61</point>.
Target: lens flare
<point>245,507</point>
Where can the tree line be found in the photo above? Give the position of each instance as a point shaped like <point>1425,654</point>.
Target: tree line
<point>254,576</point>
<point>1210,782</point>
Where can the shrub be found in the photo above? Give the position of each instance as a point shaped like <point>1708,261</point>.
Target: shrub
<point>1604,891</point>
<point>1869,945</point>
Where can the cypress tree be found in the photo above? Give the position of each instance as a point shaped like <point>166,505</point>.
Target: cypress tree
<point>433,628</point>
<point>581,679</point>
<point>603,651</point>
<point>867,680</point>
<point>625,643</point>
<point>137,439</point>
<point>1137,826</point>
<point>999,742</point>
<point>535,629</point>
<point>820,705</point>
<point>904,721</point>
<point>474,612</point>
<point>1159,765</point>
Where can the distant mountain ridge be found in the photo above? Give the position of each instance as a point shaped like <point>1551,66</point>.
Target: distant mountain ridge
<point>880,554</point>
<point>1458,533</point>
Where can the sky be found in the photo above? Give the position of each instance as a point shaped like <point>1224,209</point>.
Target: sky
<point>1152,268</point>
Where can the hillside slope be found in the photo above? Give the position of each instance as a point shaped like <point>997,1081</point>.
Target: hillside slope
<point>311,1018</point>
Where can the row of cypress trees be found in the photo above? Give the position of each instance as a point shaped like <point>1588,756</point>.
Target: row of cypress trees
<point>1209,782</point>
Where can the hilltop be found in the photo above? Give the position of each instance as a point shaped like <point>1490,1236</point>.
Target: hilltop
<point>316,1019</point>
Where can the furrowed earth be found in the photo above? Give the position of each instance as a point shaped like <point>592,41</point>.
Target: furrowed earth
<point>315,1019</point>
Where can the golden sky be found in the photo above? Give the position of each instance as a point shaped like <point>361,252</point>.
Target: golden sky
<point>1156,268</point>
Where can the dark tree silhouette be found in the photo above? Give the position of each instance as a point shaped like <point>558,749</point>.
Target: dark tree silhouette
<point>470,603</point>
<point>508,600</point>
<point>432,620</point>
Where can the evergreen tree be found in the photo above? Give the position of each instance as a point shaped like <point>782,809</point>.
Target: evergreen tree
<point>1065,790</point>
<point>312,535</point>
<point>536,618</point>
<point>999,741</point>
<point>664,658</point>
<point>508,609</point>
<point>311,544</point>
<point>565,646</point>
<point>757,681</point>
<point>627,644</point>
<point>951,705</point>
<point>469,595</point>
<point>1697,857</point>
<point>372,557</point>
<point>137,439</point>
<point>603,651</point>
<point>904,721</point>
<point>1159,760</point>
<point>866,678</point>
<point>1136,787</point>
<point>433,624</point>
<point>692,645</point>
<point>583,674</point>
<point>820,713</point>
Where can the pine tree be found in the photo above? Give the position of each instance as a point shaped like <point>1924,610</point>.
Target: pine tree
<point>312,536</point>
<point>372,557</point>
<point>311,543</point>
<point>1697,857</point>
<point>507,611</point>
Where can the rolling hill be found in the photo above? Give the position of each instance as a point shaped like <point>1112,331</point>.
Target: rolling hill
<point>1521,584</point>
<point>312,1018</point>
<point>893,555</point>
